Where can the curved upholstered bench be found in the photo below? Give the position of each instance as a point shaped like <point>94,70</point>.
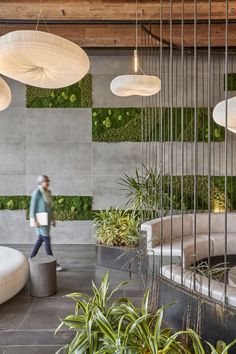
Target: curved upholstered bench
<point>166,235</point>
<point>217,291</point>
<point>14,271</point>
<point>181,235</point>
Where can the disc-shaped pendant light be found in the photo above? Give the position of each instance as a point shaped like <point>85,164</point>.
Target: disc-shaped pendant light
<point>5,95</point>
<point>141,85</point>
<point>135,85</point>
<point>42,59</point>
<point>219,114</point>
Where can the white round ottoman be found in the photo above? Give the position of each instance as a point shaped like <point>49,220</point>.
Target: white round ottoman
<point>14,271</point>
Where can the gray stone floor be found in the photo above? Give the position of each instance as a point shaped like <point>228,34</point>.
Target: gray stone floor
<point>27,324</point>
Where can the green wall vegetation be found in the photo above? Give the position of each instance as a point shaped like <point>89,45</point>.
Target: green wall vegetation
<point>113,124</point>
<point>217,133</point>
<point>231,81</point>
<point>151,192</point>
<point>65,207</point>
<point>124,124</point>
<point>74,96</point>
<point>217,192</point>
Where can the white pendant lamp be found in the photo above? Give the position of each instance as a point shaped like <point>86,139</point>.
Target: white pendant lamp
<point>232,130</point>
<point>5,95</point>
<point>42,59</point>
<point>139,85</point>
<point>219,114</point>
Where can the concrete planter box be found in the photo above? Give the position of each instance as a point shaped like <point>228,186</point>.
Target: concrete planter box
<point>127,259</point>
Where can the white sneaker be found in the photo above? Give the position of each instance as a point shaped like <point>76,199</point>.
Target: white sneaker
<point>59,268</point>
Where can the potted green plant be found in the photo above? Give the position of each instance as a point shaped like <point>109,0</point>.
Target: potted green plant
<point>117,236</point>
<point>103,324</point>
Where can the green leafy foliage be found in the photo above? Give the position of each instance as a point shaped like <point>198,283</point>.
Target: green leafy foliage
<point>144,191</point>
<point>110,124</point>
<point>14,202</point>
<point>182,122</point>
<point>65,207</point>
<point>231,81</point>
<point>114,125</point>
<point>217,192</point>
<point>76,95</point>
<point>72,207</point>
<point>115,227</point>
<point>107,327</point>
<point>102,324</point>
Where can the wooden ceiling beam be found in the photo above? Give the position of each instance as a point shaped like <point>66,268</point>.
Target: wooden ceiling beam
<point>124,35</point>
<point>113,9</point>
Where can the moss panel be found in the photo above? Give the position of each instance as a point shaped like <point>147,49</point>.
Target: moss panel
<point>65,207</point>
<point>78,95</point>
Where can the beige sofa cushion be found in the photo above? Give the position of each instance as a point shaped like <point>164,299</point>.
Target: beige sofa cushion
<point>187,254</point>
<point>166,227</point>
<point>217,222</point>
<point>219,243</point>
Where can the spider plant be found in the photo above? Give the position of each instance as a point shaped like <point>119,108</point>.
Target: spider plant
<point>120,327</point>
<point>215,272</point>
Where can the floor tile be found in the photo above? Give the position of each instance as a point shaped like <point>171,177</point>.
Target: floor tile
<point>12,312</point>
<point>27,324</point>
<point>45,313</point>
<point>29,349</point>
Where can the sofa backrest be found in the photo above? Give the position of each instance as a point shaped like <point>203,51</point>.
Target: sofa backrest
<point>165,228</point>
<point>168,226</point>
<point>217,223</point>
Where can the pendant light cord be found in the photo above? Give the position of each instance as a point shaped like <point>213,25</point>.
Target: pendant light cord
<point>41,16</point>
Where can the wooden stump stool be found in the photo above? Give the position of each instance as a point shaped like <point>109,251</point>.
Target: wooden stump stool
<point>43,276</point>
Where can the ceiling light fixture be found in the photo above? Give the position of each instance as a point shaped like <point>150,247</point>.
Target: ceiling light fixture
<point>219,114</point>
<point>140,85</point>
<point>42,59</point>
<point>5,95</point>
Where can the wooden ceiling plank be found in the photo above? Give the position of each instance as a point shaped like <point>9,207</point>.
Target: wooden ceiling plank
<point>124,35</point>
<point>112,10</point>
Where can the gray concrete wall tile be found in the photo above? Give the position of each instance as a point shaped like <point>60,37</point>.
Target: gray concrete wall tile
<point>12,226</point>
<point>63,184</point>
<point>13,158</point>
<point>107,192</point>
<point>29,349</point>
<point>103,97</point>
<point>59,158</point>
<point>113,158</point>
<point>218,159</point>
<point>59,124</point>
<point>119,65</point>
<point>12,184</point>
<point>12,125</point>
<point>68,232</point>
